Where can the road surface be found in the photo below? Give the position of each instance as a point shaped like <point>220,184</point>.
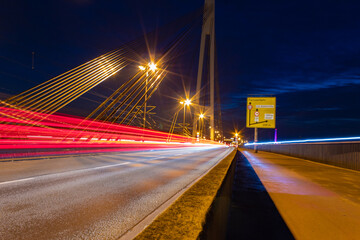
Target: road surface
<point>94,197</point>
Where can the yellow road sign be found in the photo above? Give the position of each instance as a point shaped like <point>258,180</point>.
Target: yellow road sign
<point>260,112</point>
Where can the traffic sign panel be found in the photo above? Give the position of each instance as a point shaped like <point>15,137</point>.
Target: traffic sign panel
<point>261,112</point>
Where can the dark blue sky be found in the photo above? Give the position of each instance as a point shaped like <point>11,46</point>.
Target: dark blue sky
<point>307,53</point>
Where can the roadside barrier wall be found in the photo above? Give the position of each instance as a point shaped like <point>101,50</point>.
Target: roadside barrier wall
<point>344,154</point>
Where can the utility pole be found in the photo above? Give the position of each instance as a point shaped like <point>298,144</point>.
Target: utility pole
<point>184,119</point>
<point>145,99</point>
<point>207,36</point>
<point>186,102</point>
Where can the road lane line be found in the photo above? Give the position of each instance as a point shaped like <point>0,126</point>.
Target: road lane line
<point>107,166</point>
<point>72,171</point>
<point>19,180</point>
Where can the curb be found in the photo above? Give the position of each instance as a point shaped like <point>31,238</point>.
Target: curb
<point>185,218</point>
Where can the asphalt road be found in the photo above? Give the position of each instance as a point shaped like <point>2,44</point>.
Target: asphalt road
<point>94,197</point>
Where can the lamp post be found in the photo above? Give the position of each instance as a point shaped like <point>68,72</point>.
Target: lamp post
<point>186,102</point>
<point>201,119</point>
<point>150,67</point>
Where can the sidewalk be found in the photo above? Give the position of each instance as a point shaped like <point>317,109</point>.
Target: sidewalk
<point>316,201</point>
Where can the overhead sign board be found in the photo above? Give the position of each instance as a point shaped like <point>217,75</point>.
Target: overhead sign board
<point>260,112</point>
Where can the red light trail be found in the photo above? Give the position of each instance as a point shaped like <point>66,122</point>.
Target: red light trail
<point>30,133</point>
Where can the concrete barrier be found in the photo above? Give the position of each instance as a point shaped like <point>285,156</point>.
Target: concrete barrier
<point>341,154</point>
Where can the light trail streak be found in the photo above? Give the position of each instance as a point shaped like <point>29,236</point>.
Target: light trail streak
<point>77,135</point>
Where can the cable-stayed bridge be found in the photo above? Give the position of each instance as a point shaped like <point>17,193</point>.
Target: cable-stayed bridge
<point>109,173</point>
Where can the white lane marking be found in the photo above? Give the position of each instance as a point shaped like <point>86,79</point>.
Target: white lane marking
<point>159,158</point>
<point>107,166</point>
<point>19,180</point>
<point>72,171</point>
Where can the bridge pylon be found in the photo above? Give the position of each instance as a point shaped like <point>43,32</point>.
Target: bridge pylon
<point>207,49</point>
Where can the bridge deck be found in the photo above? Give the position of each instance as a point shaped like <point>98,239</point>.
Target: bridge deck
<point>316,201</point>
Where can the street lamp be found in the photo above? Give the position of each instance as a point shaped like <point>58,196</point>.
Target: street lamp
<point>236,138</point>
<point>152,66</point>
<point>186,102</point>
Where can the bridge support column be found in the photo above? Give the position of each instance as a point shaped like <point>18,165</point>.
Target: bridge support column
<point>207,39</point>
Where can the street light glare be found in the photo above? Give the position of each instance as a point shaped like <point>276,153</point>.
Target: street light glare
<point>187,102</point>
<point>152,66</point>
<point>142,68</point>
<point>201,116</point>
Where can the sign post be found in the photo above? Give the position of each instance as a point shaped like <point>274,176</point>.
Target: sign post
<point>260,113</point>
<point>255,139</point>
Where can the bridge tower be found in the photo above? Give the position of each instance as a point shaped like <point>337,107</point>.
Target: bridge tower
<point>207,49</point>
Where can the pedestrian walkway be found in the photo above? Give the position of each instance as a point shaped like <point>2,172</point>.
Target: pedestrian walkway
<point>316,201</point>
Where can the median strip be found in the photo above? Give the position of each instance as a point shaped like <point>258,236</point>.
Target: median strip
<point>185,218</point>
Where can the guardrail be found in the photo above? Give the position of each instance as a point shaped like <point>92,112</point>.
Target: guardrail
<point>341,154</point>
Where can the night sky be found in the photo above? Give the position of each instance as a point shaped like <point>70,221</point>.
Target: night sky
<point>306,53</point>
